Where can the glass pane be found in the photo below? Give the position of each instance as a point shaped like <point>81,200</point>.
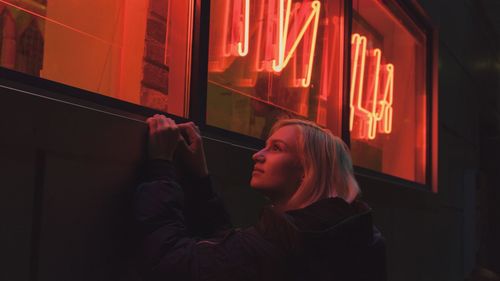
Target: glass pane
<point>137,51</point>
<point>388,91</point>
<point>273,58</point>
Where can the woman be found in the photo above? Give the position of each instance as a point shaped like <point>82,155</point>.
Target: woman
<point>315,229</point>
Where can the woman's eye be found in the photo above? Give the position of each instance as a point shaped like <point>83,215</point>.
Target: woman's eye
<point>276,148</point>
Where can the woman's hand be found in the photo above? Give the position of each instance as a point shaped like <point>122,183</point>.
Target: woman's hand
<point>164,135</point>
<point>191,151</point>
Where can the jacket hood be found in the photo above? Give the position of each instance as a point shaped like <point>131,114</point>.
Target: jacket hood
<point>330,239</point>
<point>319,228</point>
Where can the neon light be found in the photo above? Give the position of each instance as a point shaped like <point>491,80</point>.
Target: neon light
<point>380,112</point>
<point>238,30</point>
<point>386,103</point>
<point>258,65</point>
<point>357,40</point>
<point>279,45</point>
<point>243,47</point>
<point>283,26</point>
<point>251,72</point>
<point>225,51</point>
<point>371,114</point>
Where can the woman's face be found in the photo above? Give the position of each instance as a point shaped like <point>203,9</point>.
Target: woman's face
<point>277,171</point>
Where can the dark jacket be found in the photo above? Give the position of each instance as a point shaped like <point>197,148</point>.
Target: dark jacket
<point>186,235</point>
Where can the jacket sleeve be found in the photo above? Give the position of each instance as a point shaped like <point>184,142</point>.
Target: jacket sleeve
<point>204,210</point>
<point>169,251</point>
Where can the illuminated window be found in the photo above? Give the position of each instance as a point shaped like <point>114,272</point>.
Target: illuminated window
<point>388,91</point>
<point>272,58</point>
<point>136,51</point>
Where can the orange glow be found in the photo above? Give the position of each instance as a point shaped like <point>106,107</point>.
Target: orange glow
<point>58,23</point>
<point>434,119</point>
<point>107,54</point>
<point>378,110</point>
<point>167,31</point>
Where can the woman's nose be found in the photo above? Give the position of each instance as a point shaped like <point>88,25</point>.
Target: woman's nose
<point>258,156</point>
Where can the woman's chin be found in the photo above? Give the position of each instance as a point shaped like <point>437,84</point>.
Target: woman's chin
<point>255,184</point>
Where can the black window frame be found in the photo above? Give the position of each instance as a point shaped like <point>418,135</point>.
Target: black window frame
<point>198,91</point>
<point>421,19</point>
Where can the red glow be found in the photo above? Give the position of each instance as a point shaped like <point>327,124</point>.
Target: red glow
<point>366,104</point>
<point>287,24</point>
<point>287,39</point>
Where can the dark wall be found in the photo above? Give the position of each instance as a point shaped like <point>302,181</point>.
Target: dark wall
<point>437,237</point>
<point>67,173</point>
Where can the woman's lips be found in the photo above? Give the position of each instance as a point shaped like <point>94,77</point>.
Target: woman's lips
<point>255,170</point>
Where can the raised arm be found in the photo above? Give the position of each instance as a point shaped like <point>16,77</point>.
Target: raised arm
<point>204,210</point>
<point>168,143</point>
<point>168,247</point>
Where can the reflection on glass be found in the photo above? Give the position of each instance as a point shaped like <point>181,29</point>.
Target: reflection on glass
<point>273,58</point>
<point>124,49</point>
<point>388,91</point>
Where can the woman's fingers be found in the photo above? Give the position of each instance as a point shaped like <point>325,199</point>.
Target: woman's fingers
<point>191,131</point>
<point>195,160</point>
<point>165,124</point>
<point>152,123</point>
<point>159,123</point>
<point>170,123</point>
<point>196,128</point>
<point>163,136</point>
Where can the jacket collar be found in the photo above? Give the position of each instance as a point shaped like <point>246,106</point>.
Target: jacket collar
<point>325,214</point>
<point>331,219</point>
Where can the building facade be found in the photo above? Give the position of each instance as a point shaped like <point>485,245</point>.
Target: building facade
<point>412,86</point>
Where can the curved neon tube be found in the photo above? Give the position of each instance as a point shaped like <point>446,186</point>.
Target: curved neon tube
<point>381,110</point>
<point>283,25</point>
<point>243,47</point>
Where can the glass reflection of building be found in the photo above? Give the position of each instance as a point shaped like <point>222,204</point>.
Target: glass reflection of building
<point>21,36</point>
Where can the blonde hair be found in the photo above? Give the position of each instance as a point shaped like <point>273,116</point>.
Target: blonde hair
<point>327,164</point>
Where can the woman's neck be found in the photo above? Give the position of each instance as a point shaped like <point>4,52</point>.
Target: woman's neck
<point>281,204</point>
<point>280,201</point>
<point>280,207</point>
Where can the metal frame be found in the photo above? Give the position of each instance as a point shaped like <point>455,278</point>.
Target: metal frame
<point>198,90</point>
<point>419,17</point>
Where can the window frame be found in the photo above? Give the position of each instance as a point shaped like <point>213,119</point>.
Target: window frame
<point>198,91</point>
<point>421,19</point>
